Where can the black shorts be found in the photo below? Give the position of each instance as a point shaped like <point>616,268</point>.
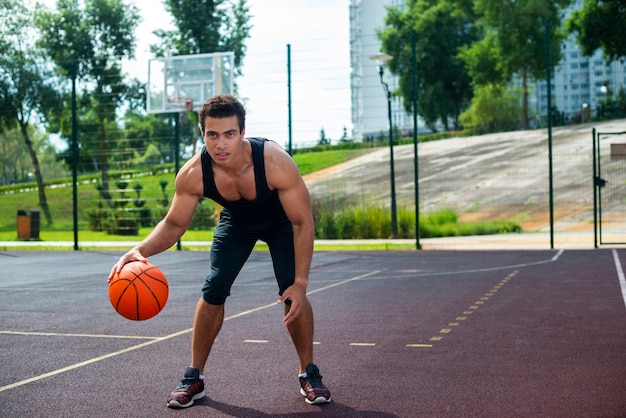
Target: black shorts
<point>232,244</point>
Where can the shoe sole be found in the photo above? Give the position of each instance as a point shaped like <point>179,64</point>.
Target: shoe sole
<point>317,401</point>
<point>176,404</point>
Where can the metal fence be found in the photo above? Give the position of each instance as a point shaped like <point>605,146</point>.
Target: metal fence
<point>503,176</point>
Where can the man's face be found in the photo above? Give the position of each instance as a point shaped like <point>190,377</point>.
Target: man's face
<point>222,137</point>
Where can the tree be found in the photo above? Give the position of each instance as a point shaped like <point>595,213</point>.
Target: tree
<point>440,29</point>
<point>205,27</point>
<point>14,158</point>
<point>202,27</point>
<point>600,24</point>
<point>26,88</point>
<point>324,140</point>
<point>515,42</point>
<point>89,44</point>
<point>494,109</point>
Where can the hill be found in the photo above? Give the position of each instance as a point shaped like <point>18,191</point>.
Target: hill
<point>496,176</point>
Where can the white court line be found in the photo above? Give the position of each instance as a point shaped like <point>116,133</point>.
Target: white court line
<point>90,361</point>
<point>480,270</point>
<point>158,339</point>
<point>620,275</point>
<point>56,334</point>
<point>557,255</point>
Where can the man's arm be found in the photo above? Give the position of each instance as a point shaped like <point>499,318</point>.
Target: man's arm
<point>167,232</point>
<point>284,176</point>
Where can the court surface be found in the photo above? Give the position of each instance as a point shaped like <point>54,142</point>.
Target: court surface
<point>522,333</point>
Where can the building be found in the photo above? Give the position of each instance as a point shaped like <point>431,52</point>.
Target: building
<point>369,101</point>
<point>578,82</point>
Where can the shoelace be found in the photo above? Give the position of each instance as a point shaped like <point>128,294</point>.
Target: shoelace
<point>314,380</point>
<point>185,383</point>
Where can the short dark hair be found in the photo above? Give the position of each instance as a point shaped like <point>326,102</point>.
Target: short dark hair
<point>223,106</point>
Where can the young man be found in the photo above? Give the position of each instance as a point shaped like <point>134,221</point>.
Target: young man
<point>263,197</point>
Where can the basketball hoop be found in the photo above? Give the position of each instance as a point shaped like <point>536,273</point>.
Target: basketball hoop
<point>181,103</point>
<point>174,80</point>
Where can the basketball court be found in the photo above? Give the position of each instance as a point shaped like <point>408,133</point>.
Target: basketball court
<point>398,334</point>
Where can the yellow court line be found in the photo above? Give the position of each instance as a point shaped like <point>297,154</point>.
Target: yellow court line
<point>159,339</point>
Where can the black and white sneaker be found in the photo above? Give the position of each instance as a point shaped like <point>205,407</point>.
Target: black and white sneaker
<point>312,388</point>
<point>189,390</point>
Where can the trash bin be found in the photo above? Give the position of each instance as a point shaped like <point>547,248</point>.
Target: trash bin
<point>23,224</point>
<point>27,224</point>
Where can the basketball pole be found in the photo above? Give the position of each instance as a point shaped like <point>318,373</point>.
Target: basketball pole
<point>289,147</point>
<point>74,158</point>
<point>418,245</point>
<point>177,156</point>
<point>549,87</point>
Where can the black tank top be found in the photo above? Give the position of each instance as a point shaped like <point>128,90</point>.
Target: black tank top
<point>265,207</point>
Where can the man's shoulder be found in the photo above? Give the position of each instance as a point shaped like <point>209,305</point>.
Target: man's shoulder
<point>191,172</point>
<point>269,146</point>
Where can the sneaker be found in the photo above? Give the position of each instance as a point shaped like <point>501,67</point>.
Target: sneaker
<point>190,389</point>
<point>312,387</point>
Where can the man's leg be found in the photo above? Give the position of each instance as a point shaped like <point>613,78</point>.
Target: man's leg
<point>301,332</point>
<point>208,321</point>
<point>280,242</point>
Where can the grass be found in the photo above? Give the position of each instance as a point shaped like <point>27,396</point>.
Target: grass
<point>310,162</point>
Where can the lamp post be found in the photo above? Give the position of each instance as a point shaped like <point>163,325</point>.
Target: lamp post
<point>380,61</point>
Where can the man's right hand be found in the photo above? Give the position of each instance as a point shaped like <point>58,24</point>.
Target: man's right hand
<point>132,255</point>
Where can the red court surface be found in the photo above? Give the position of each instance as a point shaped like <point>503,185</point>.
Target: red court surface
<point>398,334</point>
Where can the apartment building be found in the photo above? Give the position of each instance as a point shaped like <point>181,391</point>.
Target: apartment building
<point>577,81</point>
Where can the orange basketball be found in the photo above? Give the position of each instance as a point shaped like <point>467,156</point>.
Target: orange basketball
<point>139,291</point>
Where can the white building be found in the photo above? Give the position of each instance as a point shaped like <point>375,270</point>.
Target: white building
<point>369,101</point>
<point>577,81</point>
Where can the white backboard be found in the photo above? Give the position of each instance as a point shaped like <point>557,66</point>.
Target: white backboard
<point>185,82</point>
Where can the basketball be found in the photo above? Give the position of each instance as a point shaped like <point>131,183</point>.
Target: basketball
<point>139,291</point>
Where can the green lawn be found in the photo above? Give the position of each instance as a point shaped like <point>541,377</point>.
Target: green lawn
<point>60,201</point>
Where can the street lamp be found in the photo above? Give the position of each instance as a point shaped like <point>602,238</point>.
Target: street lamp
<point>380,62</point>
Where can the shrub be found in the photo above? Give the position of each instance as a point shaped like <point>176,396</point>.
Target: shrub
<point>204,217</point>
<point>375,222</point>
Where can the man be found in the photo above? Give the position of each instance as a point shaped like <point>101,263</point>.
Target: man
<point>263,197</point>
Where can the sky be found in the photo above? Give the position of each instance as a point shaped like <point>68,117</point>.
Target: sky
<point>318,34</point>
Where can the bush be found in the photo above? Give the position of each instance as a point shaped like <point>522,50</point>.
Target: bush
<point>121,223</point>
<point>204,216</point>
<point>375,223</point>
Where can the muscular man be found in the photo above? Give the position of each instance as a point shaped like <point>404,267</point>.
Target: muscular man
<point>263,197</point>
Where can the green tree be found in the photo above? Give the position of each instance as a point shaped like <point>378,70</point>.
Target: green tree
<point>515,43</point>
<point>600,24</point>
<point>494,109</point>
<point>13,157</point>
<point>205,27</point>
<point>440,28</point>
<point>89,44</point>
<point>26,88</point>
<point>324,140</point>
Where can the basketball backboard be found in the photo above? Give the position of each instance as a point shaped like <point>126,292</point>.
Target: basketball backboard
<point>185,82</point>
